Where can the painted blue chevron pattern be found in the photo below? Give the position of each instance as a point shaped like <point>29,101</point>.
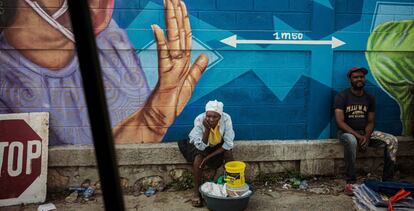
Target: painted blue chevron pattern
<point>272,91</point>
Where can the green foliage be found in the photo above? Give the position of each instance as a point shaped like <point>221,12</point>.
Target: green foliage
<point>268,178</point>
<point>297,175</point>
<point>274,178</point>
<point>184,183</point>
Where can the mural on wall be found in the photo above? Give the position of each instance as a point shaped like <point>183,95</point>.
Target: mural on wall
<point>40,71</point>
<point>275,65</point>
<point>391,58</point>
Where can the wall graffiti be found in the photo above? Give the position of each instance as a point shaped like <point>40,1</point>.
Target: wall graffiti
<point>275,65</point>
<point>391,59</point>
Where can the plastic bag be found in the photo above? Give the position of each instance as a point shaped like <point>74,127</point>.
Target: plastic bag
<point>214,189</point>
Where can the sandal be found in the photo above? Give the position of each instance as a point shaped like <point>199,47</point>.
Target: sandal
<point>196,202</point>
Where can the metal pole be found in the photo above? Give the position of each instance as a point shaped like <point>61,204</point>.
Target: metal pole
<point>96,101</point>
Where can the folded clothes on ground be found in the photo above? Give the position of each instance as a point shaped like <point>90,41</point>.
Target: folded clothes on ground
<point>389,188</point>
<point>366,198</point>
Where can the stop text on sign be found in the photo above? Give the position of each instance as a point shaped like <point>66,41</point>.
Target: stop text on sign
<point>23,157</point>
<point>17,155</point>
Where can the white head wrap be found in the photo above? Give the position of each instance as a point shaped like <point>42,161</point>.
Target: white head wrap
<point>216,106</point>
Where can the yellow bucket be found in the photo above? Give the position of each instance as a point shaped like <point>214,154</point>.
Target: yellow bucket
<point>235,174</point>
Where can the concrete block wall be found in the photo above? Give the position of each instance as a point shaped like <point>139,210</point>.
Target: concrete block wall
<point>249,94</point>
<point>71,165</point>
<point>277,91</point>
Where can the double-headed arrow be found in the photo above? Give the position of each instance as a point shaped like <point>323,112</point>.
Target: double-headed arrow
<point>232,41</point>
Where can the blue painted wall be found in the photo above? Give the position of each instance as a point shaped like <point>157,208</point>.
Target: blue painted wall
<point>276,66</point>
<point>275,91</point>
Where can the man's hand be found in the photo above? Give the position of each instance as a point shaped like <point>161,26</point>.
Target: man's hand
<point>367,137</point>
<point>362,142</point>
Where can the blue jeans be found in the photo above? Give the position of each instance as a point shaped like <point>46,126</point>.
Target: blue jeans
<point>377,139</point>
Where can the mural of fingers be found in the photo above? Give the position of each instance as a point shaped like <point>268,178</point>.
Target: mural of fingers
<point>173,30</point>
<point>164,57</point>
<point>187,29</point>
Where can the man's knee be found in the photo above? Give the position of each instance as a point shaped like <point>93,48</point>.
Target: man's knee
<point>388,139</point>
<point>392,147</point>
<point>394,141</point>
<point>349,140</point>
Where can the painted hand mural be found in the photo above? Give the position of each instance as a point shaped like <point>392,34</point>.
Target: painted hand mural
<point>39,71</point>
<point>390,57</point>
<point>177,78</point>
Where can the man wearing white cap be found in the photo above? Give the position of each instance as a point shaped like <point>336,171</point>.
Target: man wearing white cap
<point>210,143</point>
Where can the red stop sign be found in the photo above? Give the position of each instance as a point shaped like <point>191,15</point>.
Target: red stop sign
<point>20,157</point>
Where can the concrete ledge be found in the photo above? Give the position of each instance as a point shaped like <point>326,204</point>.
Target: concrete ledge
<point>71,165</point>
<point>249,151</point>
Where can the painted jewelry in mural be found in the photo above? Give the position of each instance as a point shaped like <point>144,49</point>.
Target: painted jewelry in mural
<point>52,19</point>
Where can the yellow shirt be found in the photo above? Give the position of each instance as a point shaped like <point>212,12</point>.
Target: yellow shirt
<point>214,137</point>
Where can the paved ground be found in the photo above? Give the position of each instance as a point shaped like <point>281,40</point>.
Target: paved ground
<point>321,194</point>
<point>178,201</point>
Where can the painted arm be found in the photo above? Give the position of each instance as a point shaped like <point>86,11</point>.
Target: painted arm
<point>176,82</point>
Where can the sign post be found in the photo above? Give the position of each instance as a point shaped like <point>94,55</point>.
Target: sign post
<point>23,157</point>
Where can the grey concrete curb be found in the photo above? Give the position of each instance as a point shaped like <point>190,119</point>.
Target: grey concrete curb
<point>249,151</point>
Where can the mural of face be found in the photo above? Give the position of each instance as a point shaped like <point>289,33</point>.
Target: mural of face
<point>390,57</point>
<point>42,29</point>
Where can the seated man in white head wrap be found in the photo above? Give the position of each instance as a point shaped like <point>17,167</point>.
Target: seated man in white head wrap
<point>210,142</point>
